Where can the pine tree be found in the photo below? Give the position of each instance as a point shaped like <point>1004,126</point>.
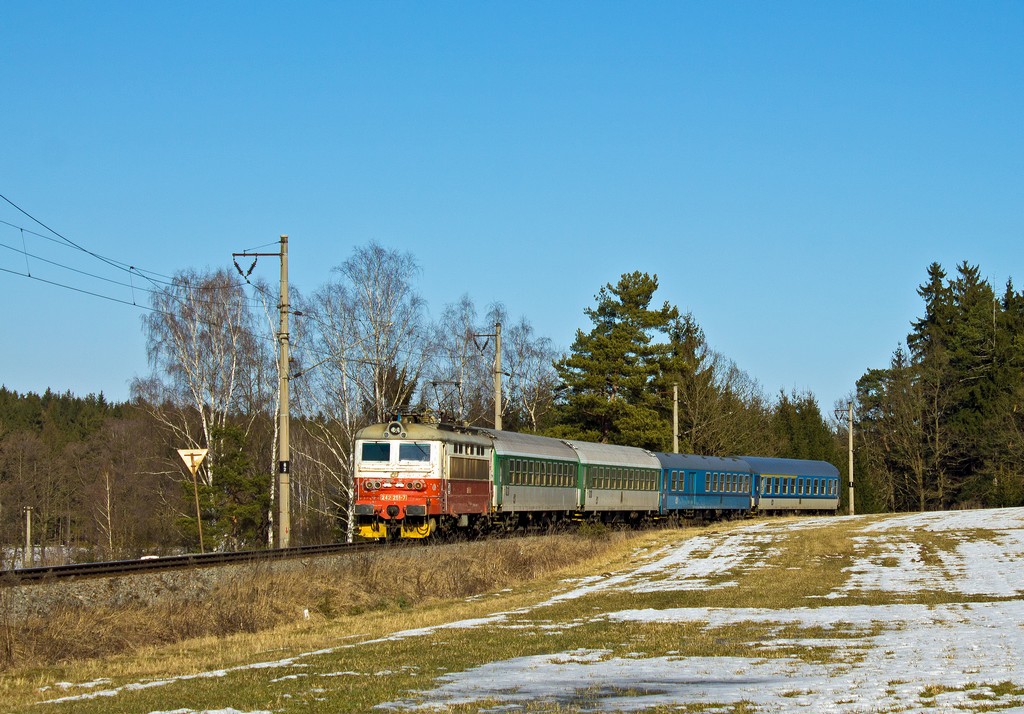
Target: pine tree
<point>610,393</point>
<point>235,506</point>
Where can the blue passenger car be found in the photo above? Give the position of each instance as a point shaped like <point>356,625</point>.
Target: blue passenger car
<point>794,484</point>
<point>692,484</point>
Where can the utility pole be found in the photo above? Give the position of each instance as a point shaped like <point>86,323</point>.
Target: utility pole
<point>849,431</point>
<point>283,451</point>
<point>28,559</point>
<point>675,417</point>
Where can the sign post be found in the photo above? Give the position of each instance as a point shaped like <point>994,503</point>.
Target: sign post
<point>193,458</point>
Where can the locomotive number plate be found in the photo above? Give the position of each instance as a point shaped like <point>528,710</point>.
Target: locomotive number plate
<point>393,497</point>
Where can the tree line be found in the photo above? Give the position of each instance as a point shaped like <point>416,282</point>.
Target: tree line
<point>938,428</point>
<point>941,426</point>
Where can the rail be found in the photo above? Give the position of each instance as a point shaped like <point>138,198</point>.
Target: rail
<point>21,576</point>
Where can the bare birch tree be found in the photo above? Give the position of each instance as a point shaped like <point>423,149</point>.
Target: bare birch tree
<point>528,365</point>
<point>361,352</point>
<point>210,360</point>
<point>461,371</point>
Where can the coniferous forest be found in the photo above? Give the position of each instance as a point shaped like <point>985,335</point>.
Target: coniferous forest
<point>939,427</point>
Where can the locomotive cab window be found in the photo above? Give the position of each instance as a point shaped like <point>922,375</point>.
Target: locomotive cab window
<point>414,452</point>
<point>376,452</point>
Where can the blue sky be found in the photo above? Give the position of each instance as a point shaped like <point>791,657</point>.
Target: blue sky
<point>787,169</point>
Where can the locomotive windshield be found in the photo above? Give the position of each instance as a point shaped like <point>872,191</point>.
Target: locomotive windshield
<point>380,452</point>
<point>376,452</point>
<point>414,452</point>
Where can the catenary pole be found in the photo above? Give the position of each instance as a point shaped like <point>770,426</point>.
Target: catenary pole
<point>497,376</point>
<point>849,430</point>
<point>284,454</point>
<point>497,370</point>
<point>283,364</point>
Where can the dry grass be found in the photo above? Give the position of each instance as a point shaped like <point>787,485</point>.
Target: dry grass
<point>257,598</point>
<point>347,659</point>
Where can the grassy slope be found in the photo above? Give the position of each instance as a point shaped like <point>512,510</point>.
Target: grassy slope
<point>354,606</point>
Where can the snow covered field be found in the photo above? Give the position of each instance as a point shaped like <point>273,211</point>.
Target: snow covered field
<point>964,652</point>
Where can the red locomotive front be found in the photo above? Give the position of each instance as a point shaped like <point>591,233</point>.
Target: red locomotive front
<point>415,476</point>
<point>398,481</point>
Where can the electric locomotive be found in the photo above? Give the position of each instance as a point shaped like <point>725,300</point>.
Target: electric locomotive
<point>412,476</point>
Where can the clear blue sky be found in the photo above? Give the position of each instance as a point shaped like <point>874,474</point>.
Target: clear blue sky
<point>788,170</point>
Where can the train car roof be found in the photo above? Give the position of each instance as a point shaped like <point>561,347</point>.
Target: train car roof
<point>693,462</point>
<point>512,443</point>
<point>416,430</point>
<point>790,467</point>
<point>611,455</point>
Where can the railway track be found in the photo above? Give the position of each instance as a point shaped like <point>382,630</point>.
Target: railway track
<point>23,576</point>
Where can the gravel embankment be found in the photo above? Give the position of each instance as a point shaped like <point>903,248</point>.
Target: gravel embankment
<point>135,590</point>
